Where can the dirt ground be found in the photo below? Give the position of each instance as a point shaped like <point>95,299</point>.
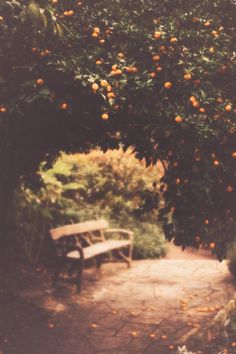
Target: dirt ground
<point>149,308</point>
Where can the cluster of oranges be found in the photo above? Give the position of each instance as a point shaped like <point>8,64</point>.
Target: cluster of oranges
<point>115,70</point>
<point>68,13</point>
<point>110,95</point>
<point>131,69</point>
<point>96,33</point>
<point>196,104</point>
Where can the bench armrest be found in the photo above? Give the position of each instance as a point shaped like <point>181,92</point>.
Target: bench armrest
<point>121,231</point>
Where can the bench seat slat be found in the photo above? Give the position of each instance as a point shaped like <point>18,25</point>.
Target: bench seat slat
<point>99,248</point>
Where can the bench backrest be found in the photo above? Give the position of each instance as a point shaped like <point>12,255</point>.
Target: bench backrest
<point>80,228</point>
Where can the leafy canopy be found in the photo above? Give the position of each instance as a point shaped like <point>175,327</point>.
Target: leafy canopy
<point>156,76</point>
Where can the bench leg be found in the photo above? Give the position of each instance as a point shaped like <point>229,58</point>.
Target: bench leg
<point>79,279</point>
<point>125,258</point>
<point>99,261</point>
<point>130,255</point>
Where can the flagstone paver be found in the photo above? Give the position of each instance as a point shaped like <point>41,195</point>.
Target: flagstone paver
<point>145,309</point>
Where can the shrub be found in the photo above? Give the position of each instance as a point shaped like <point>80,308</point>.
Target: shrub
<point>91,186</point>
<point>149,241</point>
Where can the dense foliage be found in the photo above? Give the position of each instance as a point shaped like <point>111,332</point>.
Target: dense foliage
<point>155,75</point>
<point>85,187</point>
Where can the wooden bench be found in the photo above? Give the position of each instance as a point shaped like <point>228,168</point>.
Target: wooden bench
<point>77,243</point>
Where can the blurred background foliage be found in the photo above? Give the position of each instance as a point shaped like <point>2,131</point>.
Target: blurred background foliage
<point>83,187</point>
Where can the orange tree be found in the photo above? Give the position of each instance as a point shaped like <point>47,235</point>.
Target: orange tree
<point>156,76</point>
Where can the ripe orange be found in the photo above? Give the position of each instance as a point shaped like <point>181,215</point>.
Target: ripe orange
<point>212,245</point>
<point>196,104</point>
<point>134,69</point>
<point>178,119</point>
<point>40,82</point>
<point>117,72</point>
<point>156,57</point>
<point>34,50</point>
<point>3,109</point>
<point>164,337</point>
<point>212,50</point>
<point>54,2</point>
<point>187,77</point>
<point>230,189</point>
<point>228,107</point>
<point>66,13</point>
<point>105,116</point>
<point>153,74</point>
<point>114,67</point>
<point>192,99</point>
<point>157,34</point>
<point>98,62</point>
<point>159,68</point>
<point>1,19</point>
<point>206,221</point>
<point>93,325</point>
<point>173,40</point>
<point>134,334</point>
<point>152,335</point>
<point>70,13</point>
<point>202,110</point>
<point>216,163</point>
<point>94,35</point>
<point>95,87</point>
<point>64,106</point>
<point>234,154</point>
<point>102,41</point>
<point>96,30</point>
<point>168,85</point>
<point>207,24</point>
<point>110,95</point>
<point>103,83</point>
<point>109,88</point>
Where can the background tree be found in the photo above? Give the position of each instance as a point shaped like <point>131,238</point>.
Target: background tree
<point>156,76</point>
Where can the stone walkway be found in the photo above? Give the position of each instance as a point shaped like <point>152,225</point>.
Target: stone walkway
<point>146,309</point>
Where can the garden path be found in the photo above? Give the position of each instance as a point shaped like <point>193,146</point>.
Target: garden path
<point>146,309</point>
